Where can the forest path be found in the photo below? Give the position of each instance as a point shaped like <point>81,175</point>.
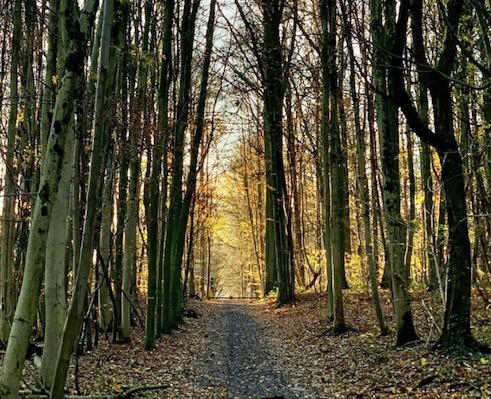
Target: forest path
<point>248,359</point>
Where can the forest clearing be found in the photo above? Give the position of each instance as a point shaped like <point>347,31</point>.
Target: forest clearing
<point>245,198</point>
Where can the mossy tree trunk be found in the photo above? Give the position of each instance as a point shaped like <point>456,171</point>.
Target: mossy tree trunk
<point>75,37</point>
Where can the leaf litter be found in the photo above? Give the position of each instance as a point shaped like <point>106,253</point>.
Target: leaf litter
<point>193,359</point>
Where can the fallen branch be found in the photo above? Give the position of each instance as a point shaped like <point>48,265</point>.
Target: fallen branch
<point>432,318</point>
<point>427,380</point>
<point>131,391</point>
<point>126,394</point>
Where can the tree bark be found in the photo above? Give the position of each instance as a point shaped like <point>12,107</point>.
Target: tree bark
<point>76,42</point>
<point>388,124</point>
<point>456,334</point>
<point>7,297</point>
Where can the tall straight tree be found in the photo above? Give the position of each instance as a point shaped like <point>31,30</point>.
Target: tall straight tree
<point>361,171</point>
<point>173,251</point>
<point>155,277</point>
<point>456,333</point>
<point>382,26</point>
<point>100,144</point>
<point>6,255</point>
<point>76,25</point>
<point>274,77</point>
<point>163,125</point>
<point>333,174</point>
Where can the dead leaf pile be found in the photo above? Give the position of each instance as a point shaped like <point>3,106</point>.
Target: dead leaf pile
<point>361,363</point>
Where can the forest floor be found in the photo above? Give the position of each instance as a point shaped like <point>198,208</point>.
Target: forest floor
<point>242,349</point>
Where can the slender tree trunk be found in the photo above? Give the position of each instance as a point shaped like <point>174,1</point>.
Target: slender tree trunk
<point>165,83</point>
<point>7,296</point>
<point>292,163</point>
<point>105,310</point>
<point>388,124</point>
<point>173,251</point>
<point>361,155</point>
<point>76,41</point>
<point>412,206</point>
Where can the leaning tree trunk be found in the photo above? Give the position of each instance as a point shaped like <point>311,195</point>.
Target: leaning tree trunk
<point>189,197</point>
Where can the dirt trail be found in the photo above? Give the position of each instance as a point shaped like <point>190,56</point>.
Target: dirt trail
<point>240,358</point>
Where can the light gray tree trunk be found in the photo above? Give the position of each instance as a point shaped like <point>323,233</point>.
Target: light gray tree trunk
<point>105,311</point>
<point>51,170</point>
<point>56,247</point>
<point>100,142</point>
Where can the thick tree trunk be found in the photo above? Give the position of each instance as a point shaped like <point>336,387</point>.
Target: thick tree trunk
<point>159,154</point>
<point>333,175</point>
<point>56,246</point>
<point>131,226</point>
<point>456,334</point>
<point>100,142</point>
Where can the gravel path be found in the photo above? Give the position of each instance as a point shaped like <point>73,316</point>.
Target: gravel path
<point>240,359</point>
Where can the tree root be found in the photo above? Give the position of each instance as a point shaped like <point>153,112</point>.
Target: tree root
<point>331,331</point>
<point>464,348</point>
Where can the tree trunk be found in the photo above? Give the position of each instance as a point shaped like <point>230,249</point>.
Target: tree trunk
<point>173,251</point>
<point>361,156</point>
<point>56,246</point>
<point>333,175</point>
<point>105,310</point>
<point>7,296</point>
<point>100,143</point>
<point>388,124</point>
<point>76,41</point>
<point>274,80</point>
<point>456,334</point>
